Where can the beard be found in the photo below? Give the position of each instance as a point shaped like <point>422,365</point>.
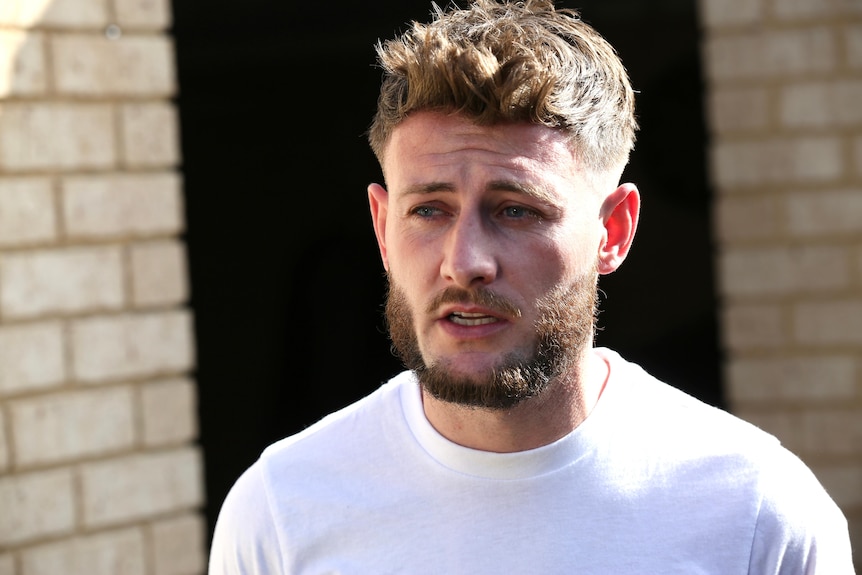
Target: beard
<point>564,328</point>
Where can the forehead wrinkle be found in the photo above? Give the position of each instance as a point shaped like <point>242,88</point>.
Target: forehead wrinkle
<point>458,153</point>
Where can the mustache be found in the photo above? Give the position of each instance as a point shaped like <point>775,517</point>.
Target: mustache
<point>482,297</point>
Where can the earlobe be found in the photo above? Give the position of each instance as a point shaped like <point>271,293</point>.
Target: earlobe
<point>378,201</point>
<point>620,213</point>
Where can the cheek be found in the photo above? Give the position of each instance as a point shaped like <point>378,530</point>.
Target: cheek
<point>558,265</point>
<point>413,255</point>
<point>569,252</point>
<point>411,279</point>
<point>584,242</point>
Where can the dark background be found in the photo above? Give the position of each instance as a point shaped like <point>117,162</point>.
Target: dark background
<point>287,285</point>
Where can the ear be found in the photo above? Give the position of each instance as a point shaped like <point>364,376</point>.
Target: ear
<point>378,201</point>
<point>619,214</point>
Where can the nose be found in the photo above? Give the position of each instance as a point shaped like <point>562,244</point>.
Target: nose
<point>470,255</point>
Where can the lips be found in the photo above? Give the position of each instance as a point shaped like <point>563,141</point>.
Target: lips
<point>471,319</point>
<point>472,313</point>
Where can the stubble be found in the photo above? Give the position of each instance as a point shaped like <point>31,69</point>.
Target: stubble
<point>565,326</point>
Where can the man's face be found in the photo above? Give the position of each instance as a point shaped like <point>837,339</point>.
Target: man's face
<point>491,236</point>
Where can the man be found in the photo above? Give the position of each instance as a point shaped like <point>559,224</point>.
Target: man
<point>511,444</point>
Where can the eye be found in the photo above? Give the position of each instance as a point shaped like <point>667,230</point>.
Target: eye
<point>425,211</point>
<point>519,212</point>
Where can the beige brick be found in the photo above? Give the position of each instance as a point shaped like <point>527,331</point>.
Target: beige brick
<point>853,45</point>
<point>118,552</point>
<point>49,135</point>
<point>122,205</point>
<point>169,412</point>
<point>739,218</point>
<point>785,160</point>
<point>179,546</point>
<point>805,379</point>
<point>804,9</point>
<point>90,65</point>
<point>105,348</point>
<point>36,505</point>
<point>63,426</point>
<point>834,432</point>
<point>150,135</point>
<point>159,273</point>
<point>66,13</point>
<point>830,322</point>
<point>771,54</point>
<point>61,281</point>
<point>824,212</point>
<point>22,63</point>
<point>775,271</point>
<point>7,564</point>
<point>842,482</point>
<point>27,212</point>
<point>149,14</point>
<point>141,486</point>
<point>31,357</point>
<point>821,104</point>
<point>738,109</point>
<point>719,13</point>
<point>753,326</point>
<point>4,445</point>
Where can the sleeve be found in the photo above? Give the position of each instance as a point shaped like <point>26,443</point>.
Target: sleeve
<point>245,541</point>
<point>800,530</point>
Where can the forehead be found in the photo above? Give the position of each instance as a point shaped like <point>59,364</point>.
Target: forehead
<point>434,142</point>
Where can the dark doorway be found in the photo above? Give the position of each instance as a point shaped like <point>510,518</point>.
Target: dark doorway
<point>286,280</point>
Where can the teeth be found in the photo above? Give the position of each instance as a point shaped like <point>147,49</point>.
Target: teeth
<point>463,318</point>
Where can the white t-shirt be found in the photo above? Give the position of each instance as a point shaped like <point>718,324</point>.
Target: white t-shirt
<point>652,482</point>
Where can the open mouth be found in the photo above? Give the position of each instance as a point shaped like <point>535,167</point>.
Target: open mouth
<point>470,319</point>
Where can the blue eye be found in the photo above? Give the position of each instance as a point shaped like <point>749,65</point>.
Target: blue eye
<point>518,212</point>
<point>425,211</point>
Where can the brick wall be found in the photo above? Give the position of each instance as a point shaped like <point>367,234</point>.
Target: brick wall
<point>784,99</point>
<point>99,472</point>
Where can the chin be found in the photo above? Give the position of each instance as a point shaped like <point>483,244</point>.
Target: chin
<point>514,379</point>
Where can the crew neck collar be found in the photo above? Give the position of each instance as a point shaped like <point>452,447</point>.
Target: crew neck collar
<point>508,466</point>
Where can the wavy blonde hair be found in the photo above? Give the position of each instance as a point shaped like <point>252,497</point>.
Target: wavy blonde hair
<point>516,61</point>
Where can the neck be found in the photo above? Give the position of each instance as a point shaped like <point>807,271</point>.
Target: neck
<point>535,422</point>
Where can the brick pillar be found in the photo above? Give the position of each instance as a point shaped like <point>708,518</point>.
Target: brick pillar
<point>784,90</point>
<point>99,474</point>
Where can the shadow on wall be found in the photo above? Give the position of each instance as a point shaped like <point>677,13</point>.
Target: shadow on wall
<point>342,348</point>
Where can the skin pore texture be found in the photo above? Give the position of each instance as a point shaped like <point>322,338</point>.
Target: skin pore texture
<point>493,238</point>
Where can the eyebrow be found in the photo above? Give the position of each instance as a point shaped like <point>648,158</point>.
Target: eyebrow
<point>536,192</point>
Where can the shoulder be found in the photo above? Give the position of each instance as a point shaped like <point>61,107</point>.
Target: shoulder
<point>660,411</point>
<point>799,527</point>
<point>360,422</point>
<point>245,539</point>
<point>250,535</point>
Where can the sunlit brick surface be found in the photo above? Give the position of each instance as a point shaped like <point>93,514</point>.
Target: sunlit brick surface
<point>99,469</point>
